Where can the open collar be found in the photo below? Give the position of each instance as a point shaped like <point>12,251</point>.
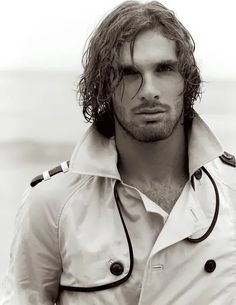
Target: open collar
<point>203,145</point>
<point>97,155</point>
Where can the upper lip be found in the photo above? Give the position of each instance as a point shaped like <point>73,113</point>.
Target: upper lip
<point>150,110</point>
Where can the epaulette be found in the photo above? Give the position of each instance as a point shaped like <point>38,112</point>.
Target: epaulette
<point>228,159</point>
<point>63,167</point>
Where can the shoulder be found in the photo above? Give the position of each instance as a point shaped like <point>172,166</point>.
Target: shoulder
<point>58,179</point>
<point>50,191</point>
<point>228,159</point>
<point>42,205</point>
<point>224,169</point>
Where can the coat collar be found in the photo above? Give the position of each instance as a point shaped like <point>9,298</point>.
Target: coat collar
<point>96,155</point>
<point>203,145</point>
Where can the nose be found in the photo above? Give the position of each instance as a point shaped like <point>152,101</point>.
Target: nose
<point>150,88</point>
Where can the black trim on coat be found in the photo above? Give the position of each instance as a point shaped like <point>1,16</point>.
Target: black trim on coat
<point>116,283</point>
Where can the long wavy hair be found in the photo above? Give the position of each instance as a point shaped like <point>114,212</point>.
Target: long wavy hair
<point>102,73</point>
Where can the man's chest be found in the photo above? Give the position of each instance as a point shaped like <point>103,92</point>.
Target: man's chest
<point>163,195</point>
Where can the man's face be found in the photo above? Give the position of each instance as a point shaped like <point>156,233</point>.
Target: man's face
<point>150,110</point>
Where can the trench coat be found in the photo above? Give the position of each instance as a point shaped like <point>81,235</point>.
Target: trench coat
<point>71,233</point>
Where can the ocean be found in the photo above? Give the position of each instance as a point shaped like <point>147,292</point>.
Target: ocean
<point>41,121</point>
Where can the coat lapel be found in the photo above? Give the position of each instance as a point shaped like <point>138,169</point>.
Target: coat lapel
<point>185,219</point>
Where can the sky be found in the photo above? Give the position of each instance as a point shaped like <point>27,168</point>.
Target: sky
<point>51,34</point>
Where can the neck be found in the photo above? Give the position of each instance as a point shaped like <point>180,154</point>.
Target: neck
<point>162,161</point>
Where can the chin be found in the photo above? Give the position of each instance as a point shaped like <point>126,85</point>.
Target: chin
<point>149,131</point>
<point>149,134</point>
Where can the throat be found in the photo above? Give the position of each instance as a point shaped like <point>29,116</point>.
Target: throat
<point>158,169</point>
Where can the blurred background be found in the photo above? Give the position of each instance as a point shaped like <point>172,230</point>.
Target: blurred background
<point>41,48</point>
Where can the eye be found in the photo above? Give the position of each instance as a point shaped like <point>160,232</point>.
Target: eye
<point>129,71</point>
<point>165,68</point>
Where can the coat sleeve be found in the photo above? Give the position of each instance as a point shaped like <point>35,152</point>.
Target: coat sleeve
<point>35,264</point>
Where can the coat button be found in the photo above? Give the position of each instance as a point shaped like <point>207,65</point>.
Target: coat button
<point>116,268</point>
<point>198,174</point>
<point>210,265</point>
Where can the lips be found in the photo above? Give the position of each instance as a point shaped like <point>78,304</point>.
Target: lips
<point>150,111</point>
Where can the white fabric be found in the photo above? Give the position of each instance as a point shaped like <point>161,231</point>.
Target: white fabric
<point>46,175</point>
<point>64,167</point>
<point>69,231</point>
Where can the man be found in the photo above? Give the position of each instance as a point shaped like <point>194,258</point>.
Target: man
<point>145,214</point>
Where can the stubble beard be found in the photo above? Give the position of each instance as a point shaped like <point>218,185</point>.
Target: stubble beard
<point>151,131</point>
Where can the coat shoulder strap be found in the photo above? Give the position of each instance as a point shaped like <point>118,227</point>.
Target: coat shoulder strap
<point>63,167</point>
<point>228,159</point>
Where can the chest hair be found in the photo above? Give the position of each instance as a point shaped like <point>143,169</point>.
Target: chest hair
<point>164,195</point>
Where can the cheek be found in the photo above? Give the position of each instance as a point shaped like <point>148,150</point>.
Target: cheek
<point>125,92</point>
<point>119,101</point>
<point>174,87</point>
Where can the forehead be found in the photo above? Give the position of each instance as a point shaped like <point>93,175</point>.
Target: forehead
<point>149,47</point>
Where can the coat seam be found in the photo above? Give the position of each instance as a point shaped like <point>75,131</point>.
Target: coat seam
<point>83,181</point>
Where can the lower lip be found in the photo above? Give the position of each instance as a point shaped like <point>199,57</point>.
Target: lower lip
<point>151,116</point>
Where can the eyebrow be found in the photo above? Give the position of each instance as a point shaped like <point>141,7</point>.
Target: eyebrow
<point>168,62</point>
